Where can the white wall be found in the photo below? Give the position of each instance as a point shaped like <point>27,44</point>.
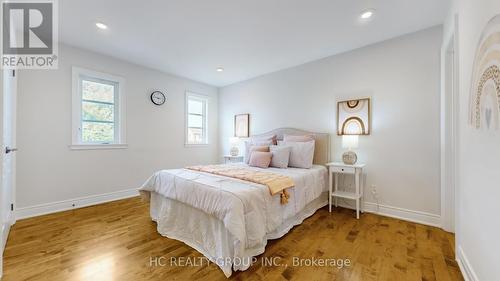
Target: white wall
<point>402,78</point>
<point>49,171</point>
<point>479,154</point>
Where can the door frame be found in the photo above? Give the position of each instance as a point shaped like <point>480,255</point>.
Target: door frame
<point>450,107</point>
<point>7,76</point>
<point>2,245</point>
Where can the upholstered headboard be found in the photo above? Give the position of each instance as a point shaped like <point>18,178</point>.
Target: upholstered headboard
<point>322,142</point>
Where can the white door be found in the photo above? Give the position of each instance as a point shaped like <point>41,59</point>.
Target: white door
<point>9,89</point>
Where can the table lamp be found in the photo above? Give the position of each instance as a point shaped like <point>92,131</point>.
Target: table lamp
<point>350,142</point>
<point>234,142</point>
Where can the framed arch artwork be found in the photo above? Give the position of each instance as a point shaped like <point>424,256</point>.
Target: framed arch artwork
<point>484,101</point>
<point>353,117</point>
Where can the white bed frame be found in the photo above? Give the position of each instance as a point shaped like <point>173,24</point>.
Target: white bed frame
<point>191,221</point>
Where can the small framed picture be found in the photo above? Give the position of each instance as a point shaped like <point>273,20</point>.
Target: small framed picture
<point>241,125</point>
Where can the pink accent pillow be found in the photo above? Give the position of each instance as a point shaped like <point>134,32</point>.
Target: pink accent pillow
<point>258,148</point>
<point>261,146</point>
<point>292,138</point>
<point>260,159</point>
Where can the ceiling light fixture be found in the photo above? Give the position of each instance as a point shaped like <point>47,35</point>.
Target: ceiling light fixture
<point>220,69</point>
<point>101,25</point>
<point>367,14</point>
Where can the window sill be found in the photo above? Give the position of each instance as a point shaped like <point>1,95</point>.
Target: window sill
<point>97,146</point>
<point>196,145</point>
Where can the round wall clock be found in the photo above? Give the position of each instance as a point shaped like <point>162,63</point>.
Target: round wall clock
<point>158,98</point>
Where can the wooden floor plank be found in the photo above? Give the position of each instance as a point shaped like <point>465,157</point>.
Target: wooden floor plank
<point>116,241</point>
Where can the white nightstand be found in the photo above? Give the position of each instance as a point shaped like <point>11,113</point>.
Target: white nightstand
<point>232,159</point>
<point>336,168</point>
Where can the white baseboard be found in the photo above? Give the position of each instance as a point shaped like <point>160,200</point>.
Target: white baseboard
<point>6,229</point>
<point>398,213</point>
<point>43,209</point>
<point>384,210</point>
<point>465,266</point>
<point>5,234</point>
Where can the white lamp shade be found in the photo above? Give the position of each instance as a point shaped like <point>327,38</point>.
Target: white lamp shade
<point>350,141</point>
<point>234,141</point>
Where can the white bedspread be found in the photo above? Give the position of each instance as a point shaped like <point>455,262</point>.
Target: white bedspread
<point>247,210</point>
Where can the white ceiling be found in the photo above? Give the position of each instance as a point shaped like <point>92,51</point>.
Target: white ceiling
<point>248,38</point>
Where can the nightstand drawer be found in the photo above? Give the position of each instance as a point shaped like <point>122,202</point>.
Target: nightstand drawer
<point>232,159</point>
<point>343,170</point>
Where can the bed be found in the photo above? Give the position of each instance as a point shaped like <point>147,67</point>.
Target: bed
<point>229,220</point>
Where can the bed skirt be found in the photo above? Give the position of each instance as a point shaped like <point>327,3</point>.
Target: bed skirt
<point>207,234</point>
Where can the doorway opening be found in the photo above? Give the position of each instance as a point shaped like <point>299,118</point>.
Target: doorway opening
<point>449,134</point>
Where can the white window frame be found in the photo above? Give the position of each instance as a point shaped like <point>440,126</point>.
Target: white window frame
<point>205,100</point>
<point>120,125</point>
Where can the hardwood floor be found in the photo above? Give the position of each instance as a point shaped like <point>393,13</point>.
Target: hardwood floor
<point>115,241</point>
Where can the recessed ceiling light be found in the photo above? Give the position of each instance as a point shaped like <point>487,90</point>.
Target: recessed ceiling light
<point>220,69</point>
<point>101,25</point>
<point>367,14</point>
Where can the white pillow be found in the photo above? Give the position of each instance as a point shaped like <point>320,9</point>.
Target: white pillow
<point>281,156</point>
<point>301,153</point>
<point>271,138</point>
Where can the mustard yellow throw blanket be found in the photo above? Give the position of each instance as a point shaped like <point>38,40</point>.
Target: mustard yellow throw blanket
<point>275,182</point>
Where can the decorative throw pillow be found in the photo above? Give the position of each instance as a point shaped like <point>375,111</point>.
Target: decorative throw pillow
<point>249,144</point>
<point>295,138</point>
<point>281,156</point>
<point>260,159</point>
<point>271,138</point>
<point>301,153</point>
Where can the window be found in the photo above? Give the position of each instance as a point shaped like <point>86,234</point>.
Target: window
<point>98,111</point>
<point>196,119</point>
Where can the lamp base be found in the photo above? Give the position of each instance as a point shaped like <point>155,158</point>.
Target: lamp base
<point>234,151</point>
<point>349,158</point>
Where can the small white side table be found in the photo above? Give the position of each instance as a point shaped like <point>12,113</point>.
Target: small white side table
<point>232,159</point>
<point>336,168</point>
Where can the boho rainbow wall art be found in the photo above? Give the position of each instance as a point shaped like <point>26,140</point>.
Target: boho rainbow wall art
<point>484,101</point>
<point>353,117</point>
